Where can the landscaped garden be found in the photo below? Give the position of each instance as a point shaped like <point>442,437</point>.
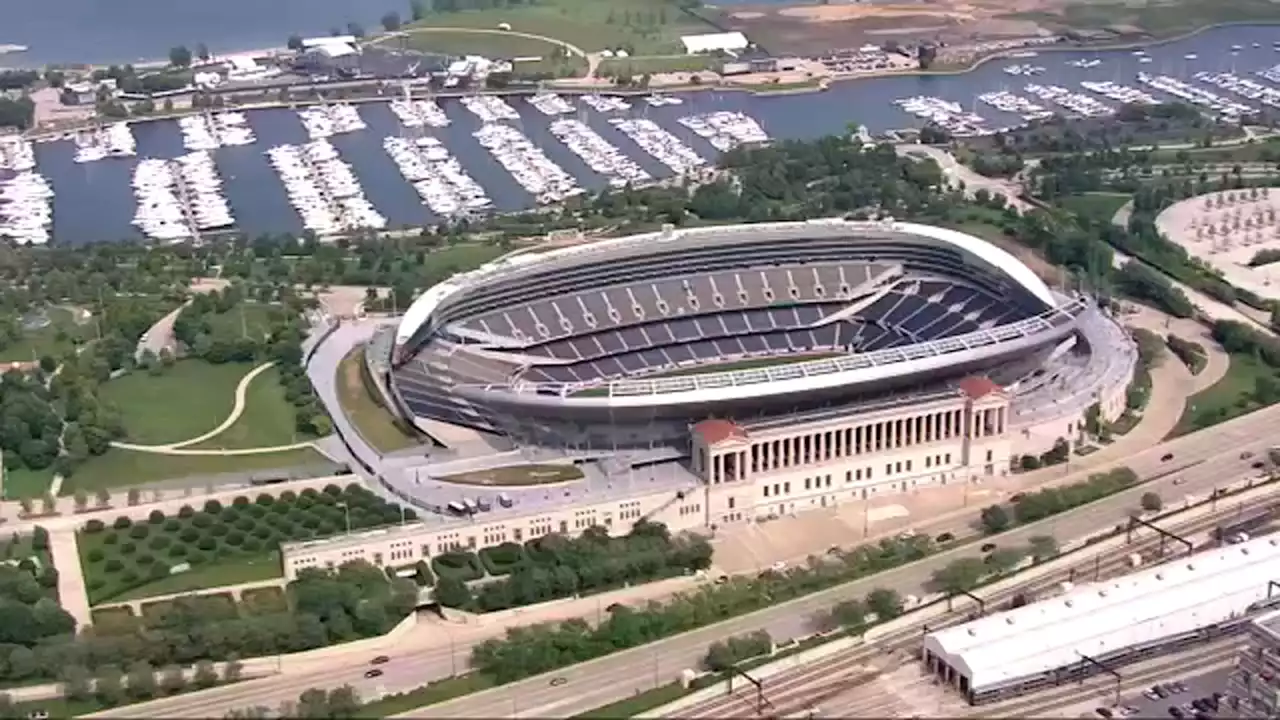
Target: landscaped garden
<point>51,331</point>
<point>218,545</point>
<point>184,401</point>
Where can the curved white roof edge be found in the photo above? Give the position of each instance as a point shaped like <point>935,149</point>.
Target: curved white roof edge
<point>422,308</point>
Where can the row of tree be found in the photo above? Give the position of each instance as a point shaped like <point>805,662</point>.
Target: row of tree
<point>1040,504</point>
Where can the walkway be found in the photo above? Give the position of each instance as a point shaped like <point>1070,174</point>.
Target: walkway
<point>235,590</point>
<point>237,410</point>
<point>1212,308</point>
<point>72,595</point>
<point>1216,359</point>
<point>160,335</point>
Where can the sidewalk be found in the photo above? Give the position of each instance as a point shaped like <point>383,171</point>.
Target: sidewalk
<point>72,595</point>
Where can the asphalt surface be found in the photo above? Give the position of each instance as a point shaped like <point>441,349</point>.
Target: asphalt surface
<point>1201,462</point>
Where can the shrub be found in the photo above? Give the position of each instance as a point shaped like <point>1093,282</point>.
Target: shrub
<point>460,565</point>
<point>94,526</point>
<point>262,532</point>
<point>218,530</point>
<point>304,503</point>
<point>186,512</point>
<point>288,497</point>
<point>110,539</point>
<point>251,545</point>
<point>502,559</point>
<point>309,493</point>
<point>229,515</point>
<point>264,499</point>
<point>146,559</point>
<point>280,507</point>
<point>246,525</point>
<point>197,558</point>
<point>172,525</point>
<point>213,507</point>
<point>95,555</point>
<point>128,547</point>
<point>158,571</point>
<point>202,520</point>
<point>235,538</point>
<point>327,527</point>
<point>177,551</point>
<point>207,544</point>
<point>159,542</point>
<point>189,535</point>
<point>95,583</point>
<point>332,490</point>
<point>139,532</point>
<point>113,565</point>
<point>122,522</point>
<point>240,501</point>
<point>129,577</point>
<point>155,517</point>
<point>257,511</point>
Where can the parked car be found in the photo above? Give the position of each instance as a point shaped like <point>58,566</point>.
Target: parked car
<point>557,682</point>
<point>988,547</point>
<point>375,672</point>
<point>380,660</point>
<point>1175,712</point>
<point>1105,712</point>
<point>945,538</point>
<point>1166,457</point>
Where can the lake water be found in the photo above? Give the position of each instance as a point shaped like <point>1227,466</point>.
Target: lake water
<point>94,201</point>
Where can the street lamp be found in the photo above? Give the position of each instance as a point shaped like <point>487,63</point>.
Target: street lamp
<point>346,512</point>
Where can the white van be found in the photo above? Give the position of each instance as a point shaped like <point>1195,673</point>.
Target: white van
<point>457,508</point>
<point>470,505</point>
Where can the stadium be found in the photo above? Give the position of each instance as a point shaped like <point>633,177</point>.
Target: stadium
<point>627,343</point>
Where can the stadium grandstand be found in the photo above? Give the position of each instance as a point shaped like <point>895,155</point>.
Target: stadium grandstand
<point>1107,624</point>
<point>625,343</point>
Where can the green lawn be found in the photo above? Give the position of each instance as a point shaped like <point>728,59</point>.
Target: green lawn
<point>25,482</point>
<point>232,571</point>
<point>247,319</point>
<point>518,475</point>
<point>436,692</point>
<point>184,401</point>
<point>1225,399</point>
<point>636,66</point>
<point>54,339</point>
<point>1098,206</point>
<point>377,426</point>
<point>267,420</point>
<point>644,27</point>
<point>125,468</point>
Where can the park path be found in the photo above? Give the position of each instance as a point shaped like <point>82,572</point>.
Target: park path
<point>178,448</point>
<point>72,595</point>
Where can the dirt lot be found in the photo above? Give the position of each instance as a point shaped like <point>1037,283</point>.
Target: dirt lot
<point>810,30</point>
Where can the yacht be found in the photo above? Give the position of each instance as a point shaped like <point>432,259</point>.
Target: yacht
<point>437,177</point>
<point>662,145</point>
<point>598,153</point>
<point>542,178</point>
<point>726,130</point>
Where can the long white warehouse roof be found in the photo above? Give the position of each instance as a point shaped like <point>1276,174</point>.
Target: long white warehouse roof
<point>1100,618</point>
<point>422,308</point>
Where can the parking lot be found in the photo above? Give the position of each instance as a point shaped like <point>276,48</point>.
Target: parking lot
<point>1191,697</point>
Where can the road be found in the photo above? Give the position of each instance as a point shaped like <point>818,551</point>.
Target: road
<point>1210,457</point>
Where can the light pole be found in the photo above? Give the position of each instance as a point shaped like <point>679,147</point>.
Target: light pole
<point>346,513</point>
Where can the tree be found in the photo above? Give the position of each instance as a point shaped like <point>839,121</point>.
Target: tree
<point>142,680</point>
<point>233,669</point>
<point>109,687</point>
<point>995,519</point>
<point>133,497</point>
<point>205,675</point>
<point>173,680</point>
<point>344,702</point>
<point>260,712</point>
<point>81,500</point>
<point>180,56</point>
<point>294,43</point>
<point>962,575</point>
<point>104,497</point>
<point>849,614</point>
<point>1004,560</point>
<point>77,684</point>
<point>202,52</point>
<point>1151,502</point>
<point>391,21</point>
<point>1043,547</point>
<point>886,604</point>
<point>452,592</point>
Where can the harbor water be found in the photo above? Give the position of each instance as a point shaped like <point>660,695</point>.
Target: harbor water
<point>94,201</point>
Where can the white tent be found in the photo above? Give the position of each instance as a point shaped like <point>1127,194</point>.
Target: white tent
<point>711,42</point>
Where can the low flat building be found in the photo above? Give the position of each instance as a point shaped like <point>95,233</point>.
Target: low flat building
<point>729,42</point>
<point>1177,603</point>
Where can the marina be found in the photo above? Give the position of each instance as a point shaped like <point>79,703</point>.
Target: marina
<point>392,177</point>
<point>25,213</point>
<point>114,140</point>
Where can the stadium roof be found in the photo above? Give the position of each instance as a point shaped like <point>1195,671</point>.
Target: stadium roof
<point>425,305</point>
<point>1098,619</point>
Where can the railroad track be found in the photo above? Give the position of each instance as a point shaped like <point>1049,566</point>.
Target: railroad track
<point>804,687</point>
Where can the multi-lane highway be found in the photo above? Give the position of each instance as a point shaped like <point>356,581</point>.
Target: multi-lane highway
<point>1210,458</point>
